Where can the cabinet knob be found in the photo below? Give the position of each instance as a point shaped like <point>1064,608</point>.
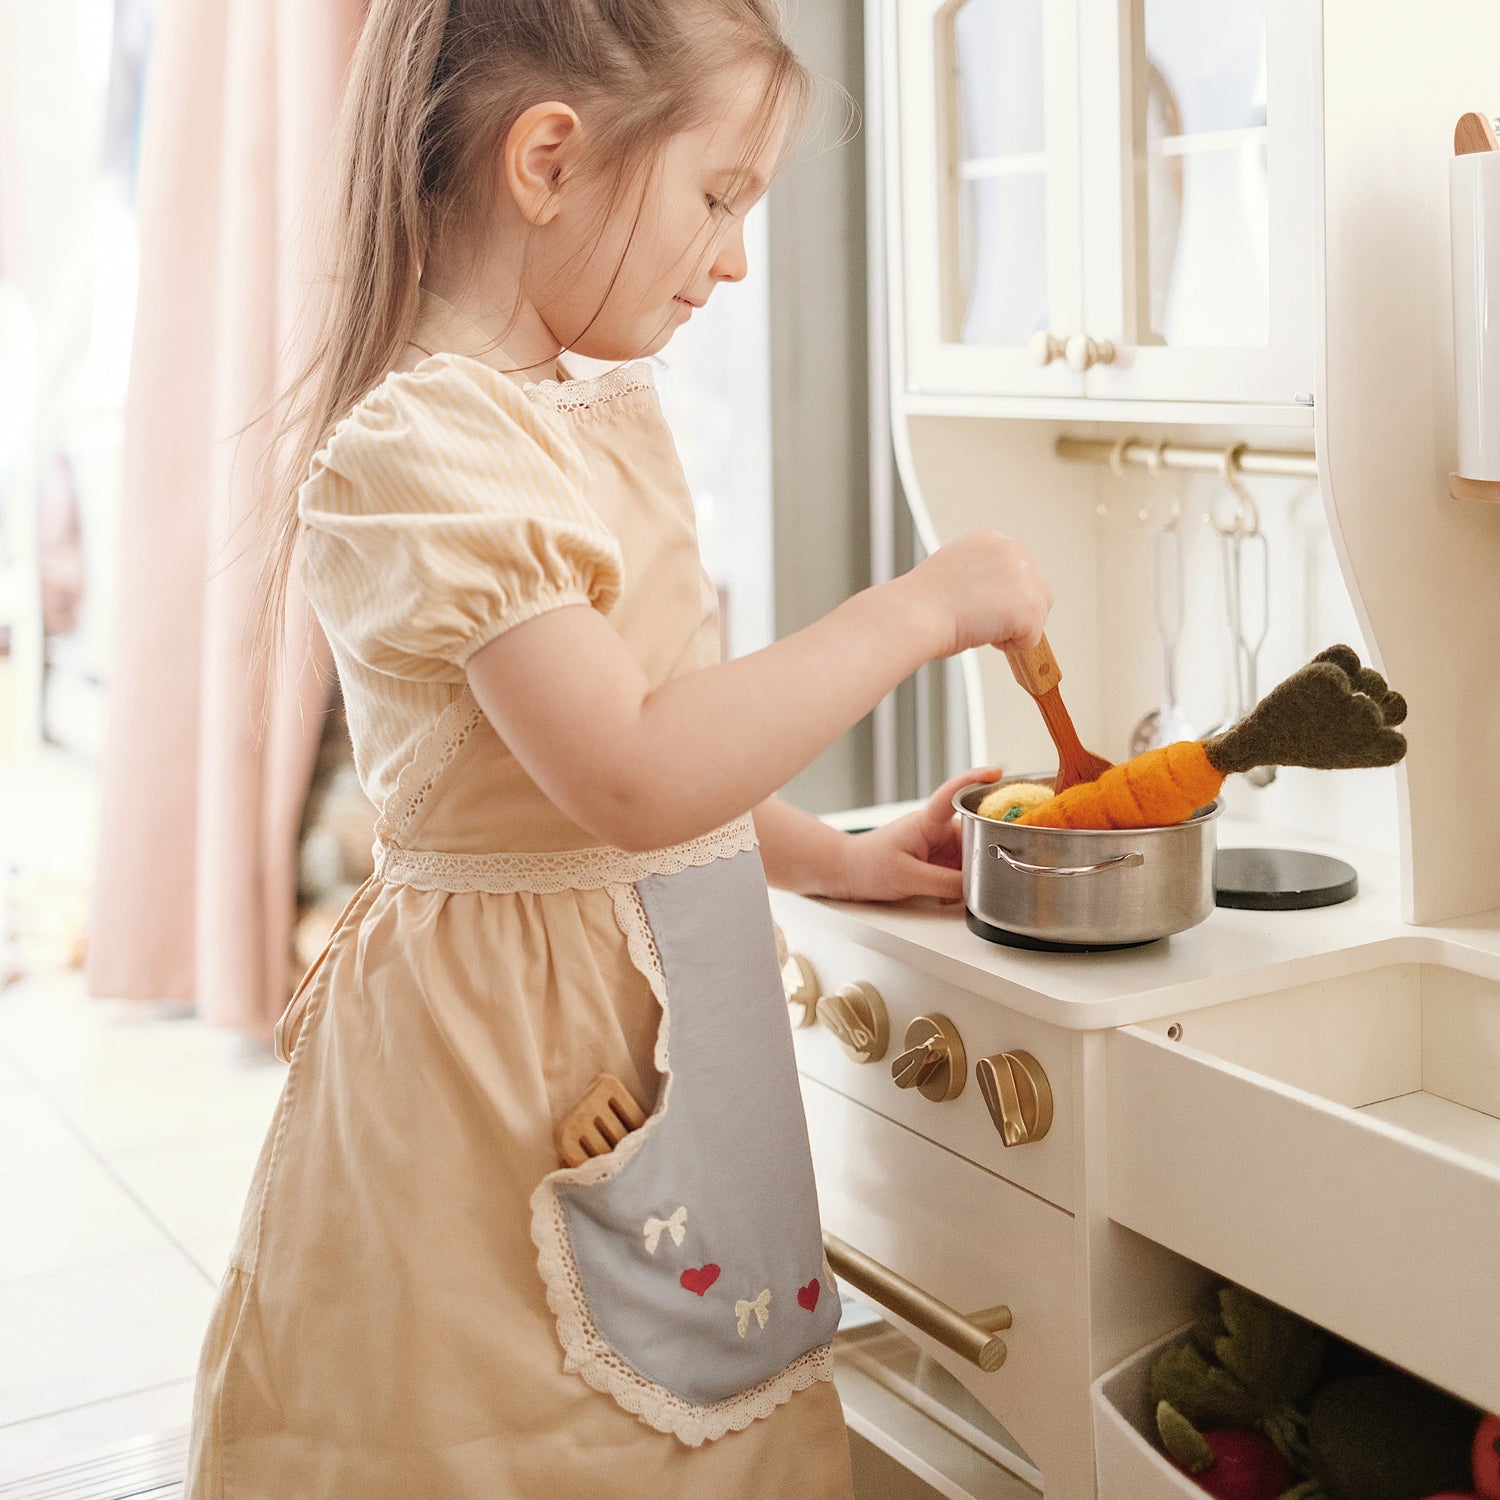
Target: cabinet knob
<point>933,1062</point>
<point>1045,347</point>
<point>1017,1095</point>
<point>856,1015</point>
<point>1084,352</point>
<point>799,981</point>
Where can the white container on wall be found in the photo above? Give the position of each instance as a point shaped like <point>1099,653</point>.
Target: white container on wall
<point>1474,191</point>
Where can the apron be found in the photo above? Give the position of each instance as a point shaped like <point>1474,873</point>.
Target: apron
<point>685,1268</point>
<point>421,1300</point>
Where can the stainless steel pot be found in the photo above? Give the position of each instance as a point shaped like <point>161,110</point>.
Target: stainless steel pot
<point>1097,888</point>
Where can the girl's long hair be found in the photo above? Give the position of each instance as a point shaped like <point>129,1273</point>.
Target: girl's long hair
<point>434,88</point>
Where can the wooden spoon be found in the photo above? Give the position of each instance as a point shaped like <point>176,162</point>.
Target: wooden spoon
<point>1474,132</point>
<point>1037,671</point>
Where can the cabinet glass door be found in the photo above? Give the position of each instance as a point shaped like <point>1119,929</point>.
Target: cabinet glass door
<point>989,192</point>
<point>1203,229</point>
<point>1210,296</point>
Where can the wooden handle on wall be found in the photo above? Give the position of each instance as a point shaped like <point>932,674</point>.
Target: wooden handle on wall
<point>1474,132</point>
<point>1036,670</point>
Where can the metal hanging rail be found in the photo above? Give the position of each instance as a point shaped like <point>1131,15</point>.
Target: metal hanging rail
<point>1140,454</point>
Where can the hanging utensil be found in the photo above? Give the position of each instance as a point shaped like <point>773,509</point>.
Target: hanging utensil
<point>1038,672</point>
<point>1167,723</point>
<point>1237,535</point>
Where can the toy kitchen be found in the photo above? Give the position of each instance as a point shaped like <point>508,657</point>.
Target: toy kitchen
<point>1191,297</point>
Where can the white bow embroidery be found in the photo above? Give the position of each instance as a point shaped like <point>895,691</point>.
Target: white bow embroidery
<point>760,1307</point>
<point>675,1226</point>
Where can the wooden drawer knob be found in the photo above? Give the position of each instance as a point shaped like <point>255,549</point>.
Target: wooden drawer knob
<point>1083,353</point>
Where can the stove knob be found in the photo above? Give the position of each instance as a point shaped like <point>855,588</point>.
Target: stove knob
<point>799,980</point>
<point>933,1062</point>
<point>856,1016</point>
<point>1017,1095</point>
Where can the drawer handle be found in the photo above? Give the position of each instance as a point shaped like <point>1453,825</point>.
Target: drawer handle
<point>1115,862</point>
<point>972,1335</point>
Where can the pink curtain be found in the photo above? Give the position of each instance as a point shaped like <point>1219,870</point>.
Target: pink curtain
<point>195,886</point>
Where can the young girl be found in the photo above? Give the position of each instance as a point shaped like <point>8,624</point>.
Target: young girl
<point>576,801</point>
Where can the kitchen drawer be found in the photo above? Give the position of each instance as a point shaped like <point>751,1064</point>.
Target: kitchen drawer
<point>973,1241</point>
<point>963,1124</point>
<point>1334,1147</point>
<point>1130,1466</point>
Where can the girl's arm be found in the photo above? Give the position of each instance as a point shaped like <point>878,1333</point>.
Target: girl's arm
<point>920,854</point>
<point>800,851</point>
<point>641,768</point>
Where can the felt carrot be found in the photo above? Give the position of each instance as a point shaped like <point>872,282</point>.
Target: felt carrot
<point>1333,713</point>
<point>1161,786</point>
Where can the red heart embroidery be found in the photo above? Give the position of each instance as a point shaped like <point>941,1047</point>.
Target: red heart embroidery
<point>699,1279</point>
<point>807,1296</point>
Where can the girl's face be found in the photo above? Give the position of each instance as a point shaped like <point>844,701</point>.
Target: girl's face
<point>622,289</point>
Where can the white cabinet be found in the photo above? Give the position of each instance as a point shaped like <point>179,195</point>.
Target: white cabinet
<point>1334,1147</point>
<point>1110,202</point>
<point>990,191</point>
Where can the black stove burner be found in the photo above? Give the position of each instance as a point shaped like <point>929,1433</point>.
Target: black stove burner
<point>1009,939</point>
<point>1281,879</point>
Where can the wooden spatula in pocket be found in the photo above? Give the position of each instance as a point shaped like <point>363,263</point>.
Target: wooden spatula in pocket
<point>594,1126</point>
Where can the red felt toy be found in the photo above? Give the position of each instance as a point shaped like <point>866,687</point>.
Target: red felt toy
<point>1486,1464</point>
<point>1225,1462</point>
<point>1487,1459</point>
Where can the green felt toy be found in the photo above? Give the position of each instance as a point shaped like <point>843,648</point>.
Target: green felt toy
<point>1248,1364</point>
<point>1350,1426</point>
<point>1388,1436</point>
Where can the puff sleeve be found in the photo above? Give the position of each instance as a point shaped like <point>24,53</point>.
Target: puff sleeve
<point>444,510</point>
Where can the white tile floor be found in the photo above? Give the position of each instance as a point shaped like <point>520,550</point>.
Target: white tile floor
<point>127,1139</point>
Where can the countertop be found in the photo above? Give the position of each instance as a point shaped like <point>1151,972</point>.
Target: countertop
<point>1231,955</point>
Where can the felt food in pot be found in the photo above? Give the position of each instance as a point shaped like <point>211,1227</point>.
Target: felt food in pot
<point>1332,714</point>
<point>1007,804</point>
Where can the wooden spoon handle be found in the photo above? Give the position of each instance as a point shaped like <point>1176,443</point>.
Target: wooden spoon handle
<point>1036,670</point>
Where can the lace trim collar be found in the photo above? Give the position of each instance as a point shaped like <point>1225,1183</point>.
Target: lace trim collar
<point>442,329</point>
<point>574,394</point>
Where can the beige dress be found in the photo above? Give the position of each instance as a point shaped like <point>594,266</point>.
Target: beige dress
<point>404,1314</point>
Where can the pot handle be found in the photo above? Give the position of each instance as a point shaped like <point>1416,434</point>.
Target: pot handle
<point>1115,862</point>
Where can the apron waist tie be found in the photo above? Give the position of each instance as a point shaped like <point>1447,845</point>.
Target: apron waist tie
<point>592,868</point>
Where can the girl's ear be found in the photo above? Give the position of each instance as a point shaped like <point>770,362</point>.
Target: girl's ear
<point>538,148</point>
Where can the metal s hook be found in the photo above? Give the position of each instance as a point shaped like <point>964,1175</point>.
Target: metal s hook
<point>1143,518</point>
<point>1246,522</point>
<point>1116,463</point>
<point>1155,465</point>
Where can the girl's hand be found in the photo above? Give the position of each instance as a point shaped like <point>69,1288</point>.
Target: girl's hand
<point>918,855</point>
<point>981,589</point>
